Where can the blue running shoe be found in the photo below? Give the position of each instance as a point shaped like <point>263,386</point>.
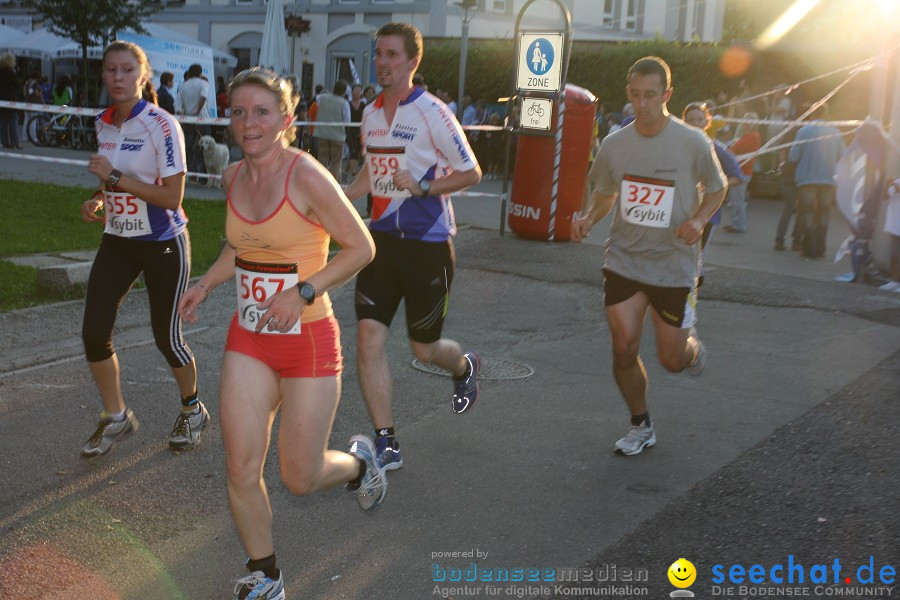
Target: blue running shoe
<point>370,492</point>
<point>465,392</point>
<point>387,455</point>
<point>256,586</point>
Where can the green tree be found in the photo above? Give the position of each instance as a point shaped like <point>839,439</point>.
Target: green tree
<point>90,22</point>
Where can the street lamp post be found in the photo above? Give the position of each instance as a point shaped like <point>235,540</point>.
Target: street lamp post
<point>465,5</point>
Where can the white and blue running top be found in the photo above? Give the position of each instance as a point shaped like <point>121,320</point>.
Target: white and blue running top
<point>425,139</point>
<point>148,147</point>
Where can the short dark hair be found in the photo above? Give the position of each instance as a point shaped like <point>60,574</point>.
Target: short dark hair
<point>650,65</point>
<point>340,88</point>
<point>195,70</point>
<point>166,78</point>
<point>412,37</point>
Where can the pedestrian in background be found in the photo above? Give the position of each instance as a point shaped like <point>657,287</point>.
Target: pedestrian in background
<point>166,99</point>
<point>816,151</point>
<point>330,138</point>
<point>10,88</point>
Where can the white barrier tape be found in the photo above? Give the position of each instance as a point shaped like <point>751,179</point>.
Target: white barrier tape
<point>50,108</point>
<point>815,106</point>
<point>50,159</point>
<point>863,65</point>
<point>84,163</point>
<point>750,155</point>
<point>224,121</point>
<point>788,123</point>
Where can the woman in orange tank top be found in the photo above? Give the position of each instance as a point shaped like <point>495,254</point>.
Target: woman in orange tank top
<point>283,345</point>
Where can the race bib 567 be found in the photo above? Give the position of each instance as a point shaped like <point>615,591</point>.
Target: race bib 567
<point>255,283</point>
<point>647,202</point>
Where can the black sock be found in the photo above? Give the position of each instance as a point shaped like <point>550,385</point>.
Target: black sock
<point>190,403</point>
<point>354,483</point>
<point>266,565</point>
<point>641,418</point>
<point>387,432</point>
<point>466,373</point>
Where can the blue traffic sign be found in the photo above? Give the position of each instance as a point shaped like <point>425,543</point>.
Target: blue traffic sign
<point>540,56</point>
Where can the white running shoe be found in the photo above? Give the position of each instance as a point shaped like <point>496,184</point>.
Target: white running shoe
<point>636,439</point>
<point>696,367</point>
<point>188,427</point>
<point>259,587</point>
<point>109,432</point>
<point>370,492</point>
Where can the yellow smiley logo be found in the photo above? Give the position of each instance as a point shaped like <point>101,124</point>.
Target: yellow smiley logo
<point>682,573</point>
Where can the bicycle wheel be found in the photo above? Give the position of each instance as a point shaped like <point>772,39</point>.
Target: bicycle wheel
<point>47,133</point>
<point>69,135</point>
<point>34,127</point>
<point>88,134</point>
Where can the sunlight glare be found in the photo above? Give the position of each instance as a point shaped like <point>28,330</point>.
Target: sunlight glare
<point>784,23</point>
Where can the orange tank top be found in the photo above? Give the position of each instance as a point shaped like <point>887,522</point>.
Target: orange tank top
<point>285,237</point>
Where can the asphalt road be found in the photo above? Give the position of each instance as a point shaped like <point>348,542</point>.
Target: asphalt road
<point>786,445</point>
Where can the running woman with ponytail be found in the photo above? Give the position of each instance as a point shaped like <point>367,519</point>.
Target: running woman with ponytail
<point>140,164</point>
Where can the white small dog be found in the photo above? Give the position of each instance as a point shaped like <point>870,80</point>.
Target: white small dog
<point>216,157</point>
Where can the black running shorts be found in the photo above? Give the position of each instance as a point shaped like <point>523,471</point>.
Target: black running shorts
<point>676,305</point>
<point>420,273</point>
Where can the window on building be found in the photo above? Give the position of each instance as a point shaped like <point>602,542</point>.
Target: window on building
<point>500,6</point>
<point>348,1</point>
<point>699,17</point>
<point>608,14</point>
<point>630,15</point>
<point>344,68</point>
<point>244,59</point>
<point>239,2</point>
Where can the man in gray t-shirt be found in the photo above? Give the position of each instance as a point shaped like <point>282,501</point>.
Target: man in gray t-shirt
<point>663,180</point>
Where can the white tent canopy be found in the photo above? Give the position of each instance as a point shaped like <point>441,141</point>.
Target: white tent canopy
<point>158,31</point>
<point>8,35</point>
<point>43,44</point>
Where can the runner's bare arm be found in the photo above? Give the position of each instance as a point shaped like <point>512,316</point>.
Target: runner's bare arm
<point>597,209</point>
<point>360,186</point>
<point>324,199</point>
<point>692,230</point>
<point>316,194</point>
<point>221,271</point>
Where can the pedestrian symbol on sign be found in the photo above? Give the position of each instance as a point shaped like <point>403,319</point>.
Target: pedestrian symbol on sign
<point>541,53</point>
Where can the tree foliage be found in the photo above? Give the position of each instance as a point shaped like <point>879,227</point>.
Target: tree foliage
<point>598,67</point>
<point>90,22</point>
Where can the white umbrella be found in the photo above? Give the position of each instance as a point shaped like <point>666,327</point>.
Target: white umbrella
<point>274,54</point>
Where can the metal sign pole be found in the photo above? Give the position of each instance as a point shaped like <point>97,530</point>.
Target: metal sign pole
<point>544,90</point>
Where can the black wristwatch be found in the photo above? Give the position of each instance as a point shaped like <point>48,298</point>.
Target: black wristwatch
<point>307,292</point>
<point>113,178</point>
<point>425,185</point>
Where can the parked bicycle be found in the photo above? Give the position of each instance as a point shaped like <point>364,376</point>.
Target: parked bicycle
<point>69,131</point>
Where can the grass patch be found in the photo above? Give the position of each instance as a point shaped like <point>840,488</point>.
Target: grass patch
<point>36,217</point>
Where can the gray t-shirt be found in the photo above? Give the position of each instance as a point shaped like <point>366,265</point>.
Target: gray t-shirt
<point>658,181</point>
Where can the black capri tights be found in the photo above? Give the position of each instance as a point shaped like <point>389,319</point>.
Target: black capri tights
<point>166,266</point>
